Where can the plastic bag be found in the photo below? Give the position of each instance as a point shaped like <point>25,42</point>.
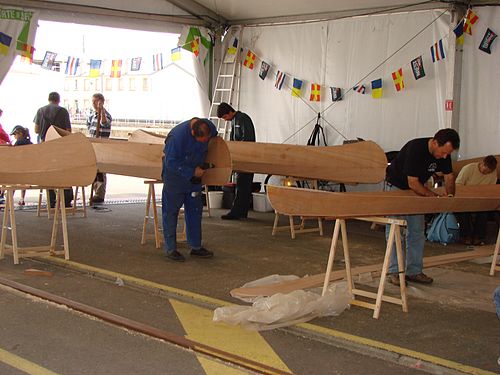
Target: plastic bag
<point>282,310</point>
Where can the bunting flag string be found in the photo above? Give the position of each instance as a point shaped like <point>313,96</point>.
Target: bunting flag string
<point>5,42</point>
<point>336,94</point>
<point>116,68</point>
<point>264,69</point>
<point>360,89</point>
<point>249,60</point>
<point>280,80</point>
<point>135,64</point>
<point>377,88</point>
<point>488,38</point>
<point>470,19</point>
<point>95,68</point>
<point>157,62</point>
<point>437,51</point>
<point>417,67</point>
<point>297,88</point>
<point>315,93</point>
<point>72,66</point>
<point>49,60</point>
<point>175,54</point>
<point>459,32</point>
<point>397,77</point>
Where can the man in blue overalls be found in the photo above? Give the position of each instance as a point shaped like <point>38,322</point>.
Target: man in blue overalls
<point>185,150</point>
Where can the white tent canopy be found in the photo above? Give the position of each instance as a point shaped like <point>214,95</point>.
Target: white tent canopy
<point>336,51</point>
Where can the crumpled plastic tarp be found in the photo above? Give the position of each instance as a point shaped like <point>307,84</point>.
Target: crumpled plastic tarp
<point>288,309</point>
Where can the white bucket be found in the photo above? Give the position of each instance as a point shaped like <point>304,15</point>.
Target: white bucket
<point>261,203</point>
<point>215,199</point>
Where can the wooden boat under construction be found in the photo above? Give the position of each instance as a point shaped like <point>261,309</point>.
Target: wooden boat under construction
<point>361,162</point>
<point>307,202</point>
<point>63,162</point>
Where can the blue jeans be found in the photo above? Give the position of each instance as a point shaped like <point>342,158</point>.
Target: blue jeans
<point>193,209</point>
<point>415,241</point>
<point>496,299</point>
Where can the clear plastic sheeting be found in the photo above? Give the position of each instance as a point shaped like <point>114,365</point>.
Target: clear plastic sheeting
<point>268,280</point>
<point>282,310</point>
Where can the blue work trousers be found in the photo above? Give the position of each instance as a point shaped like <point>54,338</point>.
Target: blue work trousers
<point>172,202</point>
<point>415,242</point>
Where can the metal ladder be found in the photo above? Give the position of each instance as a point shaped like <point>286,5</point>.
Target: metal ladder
<point>228,82</point>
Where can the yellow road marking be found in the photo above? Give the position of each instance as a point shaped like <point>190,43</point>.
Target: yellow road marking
<point>218,368</point>
<point>23,364</point>
<point>307,326</point>
<point>396,349</point>
<point>198,324</point>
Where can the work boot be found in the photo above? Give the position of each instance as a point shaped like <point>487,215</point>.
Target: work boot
<point>420,278</point>
<point>394,279</point>
<point>175,256</point>
<point>229,216</point>
<point>201,253</point>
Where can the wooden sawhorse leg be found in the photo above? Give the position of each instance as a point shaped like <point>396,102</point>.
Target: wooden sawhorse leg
<point>494,262</point>
<point>394,238</point>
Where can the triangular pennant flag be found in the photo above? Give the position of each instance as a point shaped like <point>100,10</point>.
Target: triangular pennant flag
<point>417,66</point>
<point>297,88</point>
<point>264,69</point>
<point>95,68</point>
<point>157,62</point>
<point>360,89</point>
<point>249,60</point>
<point>488,38</point>
<point>315,92</point>
<point>116,68</point>
<point>470,19</point>
<point>336,94</point>
<point>459,32</point>
<point>48,60</point>
<point>135,64</point>
<point>175,54</point>
<point>72,66</point>
<point>397,77</point>
<point>231,51</point>
<point>437,51</point>
<point>195,46</point>
<point>280,80</point>
<point>377,88</point>
<point>5,42</point>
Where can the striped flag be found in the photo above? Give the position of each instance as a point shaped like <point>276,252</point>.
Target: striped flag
<point>360,89</point>
<point>397,77</point>
<point>470,19</point>
<point>95,68</point>
<point>195,46</point>
<point>315,92</point>
<point>437,51</point>
<point>249,60</point>
<point>280,80</point>
<point>71,66</point>
<point>116,68</point>
<point>135,64</point>
<point>175,54</point>
<point>459,32</point>
<point>5,41</point>
<point>157,62</point>
<point>377,88</point>
<point>297,88</point>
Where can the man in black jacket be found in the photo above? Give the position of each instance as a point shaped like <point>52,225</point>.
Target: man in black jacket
<point>242,129</point>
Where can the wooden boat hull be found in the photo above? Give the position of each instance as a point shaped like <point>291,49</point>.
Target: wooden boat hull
<point>143,136</point>
<point>63,162</point>
<point>361,162</point>
<point>306,202</point>
<point>144,160</point>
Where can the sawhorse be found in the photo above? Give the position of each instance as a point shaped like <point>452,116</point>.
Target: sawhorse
<point>394,238</point>
<point>21,252</point>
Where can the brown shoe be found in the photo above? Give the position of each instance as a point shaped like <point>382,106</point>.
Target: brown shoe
<point>394,279</point>
<point>420,278</point>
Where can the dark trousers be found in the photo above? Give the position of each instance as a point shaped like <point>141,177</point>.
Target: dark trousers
<point>473,224</point>
<point>241,203</point>
<point>68,197</point>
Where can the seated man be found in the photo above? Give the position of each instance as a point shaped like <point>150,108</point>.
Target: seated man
<point>473,224</point>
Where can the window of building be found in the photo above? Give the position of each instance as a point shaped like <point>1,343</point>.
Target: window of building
<point>121,84</point>
<point>97,85</point>
<point>76,84</point>
<point>87,84</point>
<point>109,84</point>
<point>145,84</point>
<point>131,84</point>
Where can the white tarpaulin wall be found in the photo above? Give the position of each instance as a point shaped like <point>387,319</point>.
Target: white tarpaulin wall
<point>480,109</point>
<point>17,30</point>
<point>340,53</point>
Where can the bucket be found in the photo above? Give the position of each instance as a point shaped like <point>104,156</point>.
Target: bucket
<point>261,203</point>
<point>215,199</point>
